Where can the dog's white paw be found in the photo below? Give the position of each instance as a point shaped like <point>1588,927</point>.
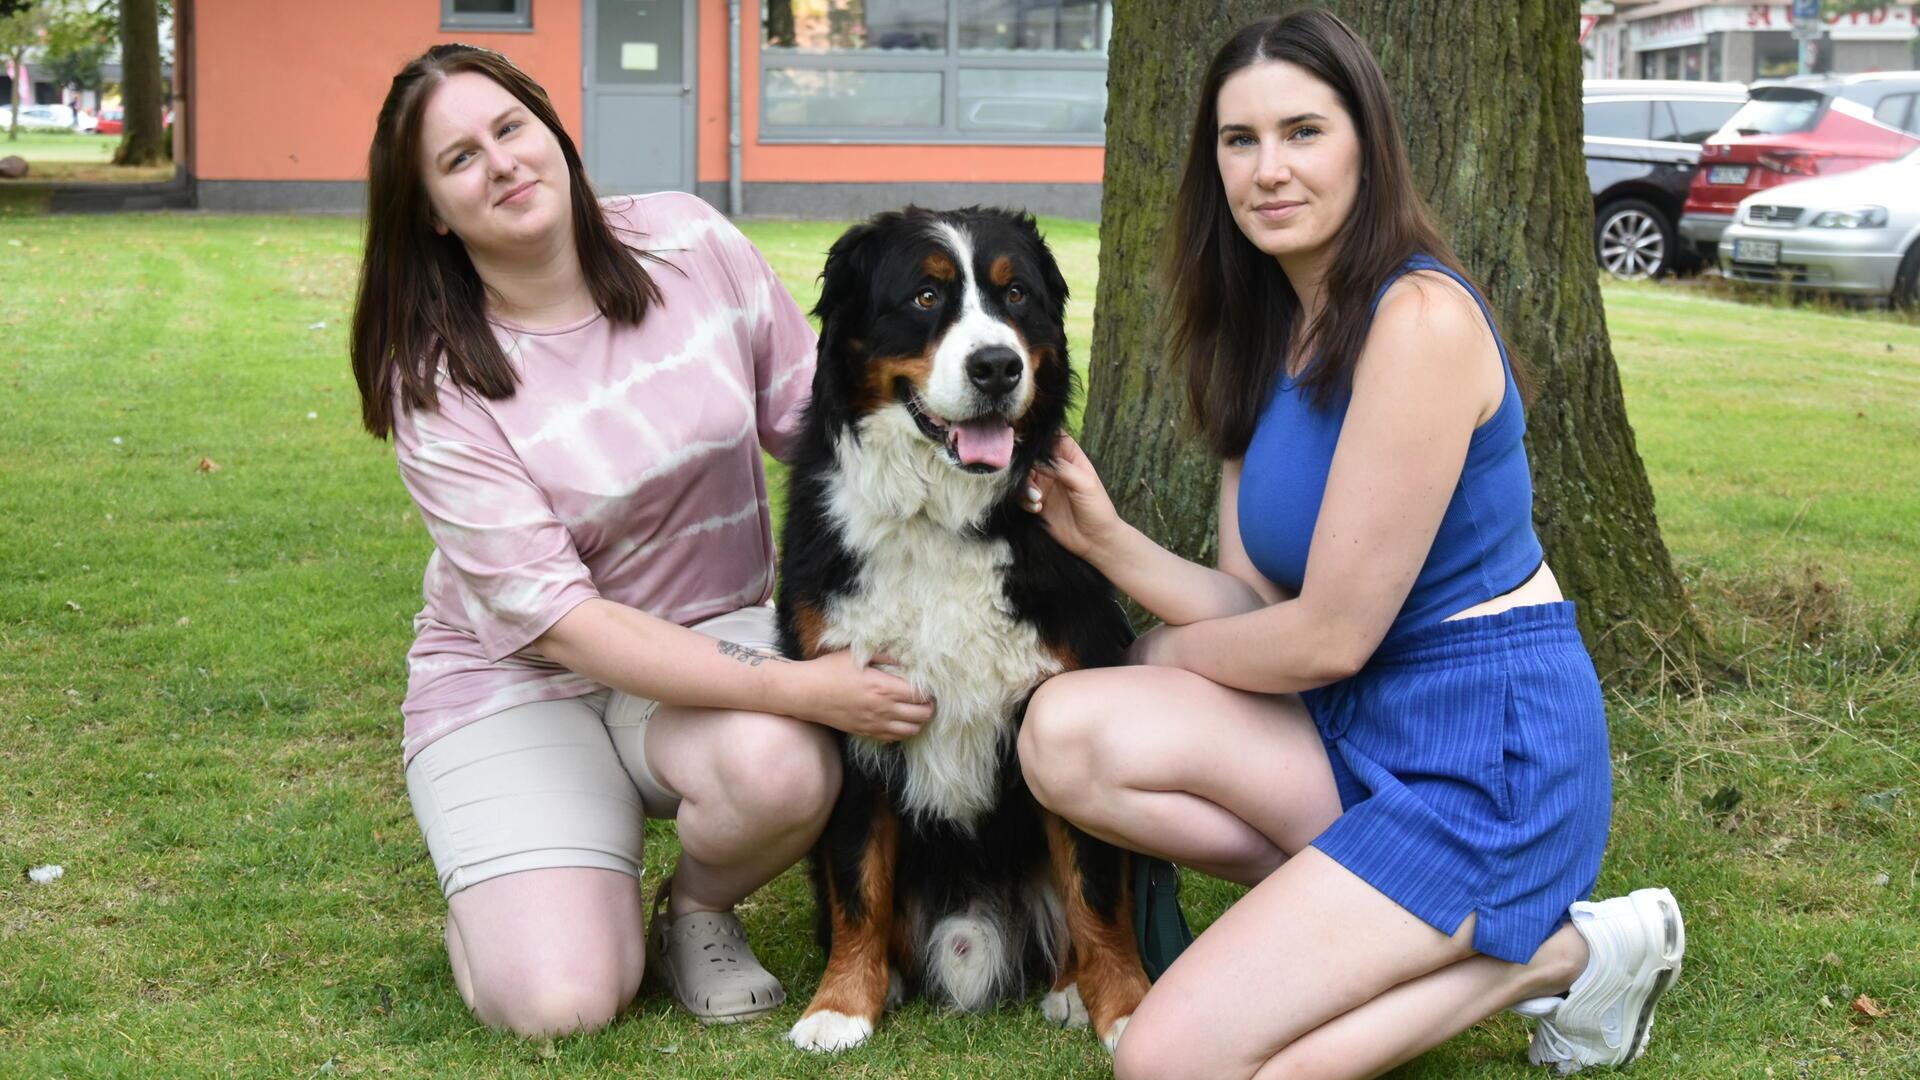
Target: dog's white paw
<point>1111,1040</point>
<point>827,1032</point>
<point>1064,1007</point>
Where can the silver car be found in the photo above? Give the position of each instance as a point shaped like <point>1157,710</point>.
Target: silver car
<point>1858,232</point>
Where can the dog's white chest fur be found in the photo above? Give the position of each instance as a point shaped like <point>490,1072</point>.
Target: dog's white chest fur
<point>929,594</point>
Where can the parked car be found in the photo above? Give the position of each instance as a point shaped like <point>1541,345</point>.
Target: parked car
<point>42,117</point>
<point>1799,128</point>
<point>1856,233</point>
<point>113,121</point>
<point>1643,141</point>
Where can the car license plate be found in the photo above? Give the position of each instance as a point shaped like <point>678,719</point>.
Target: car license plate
<point>1727,174</point>
<point>1766,252</point>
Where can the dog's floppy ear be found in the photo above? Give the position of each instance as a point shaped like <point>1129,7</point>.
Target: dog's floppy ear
<point>1050,275</point>
<point>841,307</point>
<point>842,281</point>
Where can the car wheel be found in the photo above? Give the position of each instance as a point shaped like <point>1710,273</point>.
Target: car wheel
<point>1633,240</point>
<point>1906,284</point>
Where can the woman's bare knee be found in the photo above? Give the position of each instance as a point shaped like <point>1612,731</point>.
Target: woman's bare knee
<point>545,952</point>
<point>1057,743</point>
<point>556,983</point>
<point>552,1006</point>
<point>776,771</point>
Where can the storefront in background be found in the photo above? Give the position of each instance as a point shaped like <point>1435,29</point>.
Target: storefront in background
<point>1744,42</point>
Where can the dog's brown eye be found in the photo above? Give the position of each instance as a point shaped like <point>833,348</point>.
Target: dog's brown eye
<point>1016,294</point>
<point>925,299</point>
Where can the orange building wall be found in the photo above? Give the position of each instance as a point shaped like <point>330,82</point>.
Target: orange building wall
<point>286,90</point>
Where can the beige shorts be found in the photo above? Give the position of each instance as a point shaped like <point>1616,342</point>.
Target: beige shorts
<point>551,783</point>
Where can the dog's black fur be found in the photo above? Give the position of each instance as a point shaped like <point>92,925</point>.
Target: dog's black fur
<point>876,329</point>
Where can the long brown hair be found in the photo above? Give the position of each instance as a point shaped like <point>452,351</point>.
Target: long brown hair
<point>1231,310</point>
<point>421,304</point>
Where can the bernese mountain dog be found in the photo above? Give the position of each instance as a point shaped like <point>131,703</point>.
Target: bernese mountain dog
<point>942,380</point>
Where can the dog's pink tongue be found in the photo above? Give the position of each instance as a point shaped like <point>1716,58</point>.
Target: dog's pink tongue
<point>986,441</point>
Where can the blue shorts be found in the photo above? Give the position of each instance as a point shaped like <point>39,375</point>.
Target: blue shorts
<point>1472,764</point>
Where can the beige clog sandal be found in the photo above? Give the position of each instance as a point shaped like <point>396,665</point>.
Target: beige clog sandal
<point>708,965</point>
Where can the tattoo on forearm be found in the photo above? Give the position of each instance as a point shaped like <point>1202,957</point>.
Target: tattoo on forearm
<point>748,656</point>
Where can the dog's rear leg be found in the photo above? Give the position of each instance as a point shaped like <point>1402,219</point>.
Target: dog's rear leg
<point>1091,876</point>
<point>847,1007</point>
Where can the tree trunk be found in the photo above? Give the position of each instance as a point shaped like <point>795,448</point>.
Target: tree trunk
<point>1489,99</point>
<point>13,96</point>
<point>143,141</point>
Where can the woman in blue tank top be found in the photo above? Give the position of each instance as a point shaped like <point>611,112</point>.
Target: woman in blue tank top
<point>1376,711</point>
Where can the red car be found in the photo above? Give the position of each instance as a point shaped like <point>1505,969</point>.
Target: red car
<point>112,120</point>
<point>1794,129</point>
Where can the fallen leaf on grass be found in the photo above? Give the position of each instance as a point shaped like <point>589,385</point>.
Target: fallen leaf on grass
<point>207,464</point>
<point>1831,960</point>
<point>1868,1007</point>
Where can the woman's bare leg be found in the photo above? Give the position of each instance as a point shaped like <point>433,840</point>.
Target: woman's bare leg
<point>755,791</point>
<point>1418,1015</point>
<point>545,952</point>
<point>1162,761</point>
<point>1316,973</point>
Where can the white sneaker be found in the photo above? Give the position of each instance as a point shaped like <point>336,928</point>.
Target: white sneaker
<point>1635,943</point>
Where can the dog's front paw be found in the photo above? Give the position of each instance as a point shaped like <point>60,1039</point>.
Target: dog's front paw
<point>1111,1037</point>
<point>1064,1007</point>
<point>828,1032</point>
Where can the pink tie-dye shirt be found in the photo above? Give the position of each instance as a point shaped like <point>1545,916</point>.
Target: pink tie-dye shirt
<point>626,465</point>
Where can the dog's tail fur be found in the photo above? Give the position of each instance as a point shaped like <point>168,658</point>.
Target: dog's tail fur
<point>990,951</point>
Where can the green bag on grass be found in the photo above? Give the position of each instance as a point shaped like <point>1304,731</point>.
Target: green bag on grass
<point>1158,924</point>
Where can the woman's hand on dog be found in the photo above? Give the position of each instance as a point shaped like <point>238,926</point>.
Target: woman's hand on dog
<point>1072,502</point>
<point>861,700</point>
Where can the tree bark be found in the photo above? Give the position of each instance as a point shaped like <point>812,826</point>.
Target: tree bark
<point>143,141</point>
<point>15,59</point>
<point>1489,99</point>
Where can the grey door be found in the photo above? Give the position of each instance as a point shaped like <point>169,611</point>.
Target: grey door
<point>639,95</point>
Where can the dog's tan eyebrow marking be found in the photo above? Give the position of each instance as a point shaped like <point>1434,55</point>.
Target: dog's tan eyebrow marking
<point>939,266</point>
<point>1001,273</point>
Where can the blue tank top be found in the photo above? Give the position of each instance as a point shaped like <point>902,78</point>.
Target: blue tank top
<point>1485,547</point>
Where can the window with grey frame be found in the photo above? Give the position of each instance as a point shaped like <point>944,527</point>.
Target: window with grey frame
<point>934,71</point>
<point>486,14</point>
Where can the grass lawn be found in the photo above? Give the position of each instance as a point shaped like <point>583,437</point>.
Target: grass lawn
<point>79,156</point>
<point>206,578</point>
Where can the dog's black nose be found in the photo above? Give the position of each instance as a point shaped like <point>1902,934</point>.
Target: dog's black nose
<point>995,370</point>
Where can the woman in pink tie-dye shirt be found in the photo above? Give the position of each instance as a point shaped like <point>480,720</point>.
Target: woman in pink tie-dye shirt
<point>578,394</point>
